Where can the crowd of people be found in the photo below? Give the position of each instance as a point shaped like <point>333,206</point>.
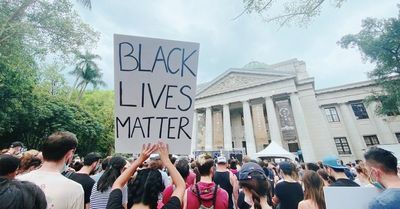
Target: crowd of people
<point>56,178</point>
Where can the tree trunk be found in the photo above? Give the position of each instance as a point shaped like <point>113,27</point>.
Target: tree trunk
<point>81,92</point>
<point>73,87</point>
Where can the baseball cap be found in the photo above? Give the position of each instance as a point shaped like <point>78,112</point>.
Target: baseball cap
<point>333,162</point>
<point>155,157</point>
<point>248,169</point>
<point>286,167</point>
<point>221,159</point>
<point>17,144</point>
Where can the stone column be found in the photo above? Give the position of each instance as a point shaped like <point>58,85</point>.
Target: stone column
<point>356,142</point>
<point>194,133</point>
<point>248,129</point>
<point>208,141</point>
<point>273,123</point>
<point>227,127</point>
<point>385,135</point>
<point>301,127</point>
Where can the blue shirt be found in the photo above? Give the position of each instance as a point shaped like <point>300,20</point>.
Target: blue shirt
<point>388,199</point>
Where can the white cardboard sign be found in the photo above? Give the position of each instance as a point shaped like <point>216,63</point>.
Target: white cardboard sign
<point>155,86</point>
<point>349,197</point>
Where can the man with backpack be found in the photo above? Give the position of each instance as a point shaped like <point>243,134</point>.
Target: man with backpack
<point>205,194</point>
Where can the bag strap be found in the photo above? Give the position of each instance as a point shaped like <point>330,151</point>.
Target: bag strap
<point>215,194</point>
<point>198,193</point>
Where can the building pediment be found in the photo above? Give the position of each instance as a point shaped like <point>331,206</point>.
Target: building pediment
<point>234,80</point>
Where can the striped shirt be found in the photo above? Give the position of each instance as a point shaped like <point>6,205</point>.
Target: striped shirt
<point>98,200</point>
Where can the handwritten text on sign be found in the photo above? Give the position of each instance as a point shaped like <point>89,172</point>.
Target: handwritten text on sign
<point>155,85</point>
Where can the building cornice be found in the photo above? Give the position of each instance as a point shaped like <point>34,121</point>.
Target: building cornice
<point>346,87</point>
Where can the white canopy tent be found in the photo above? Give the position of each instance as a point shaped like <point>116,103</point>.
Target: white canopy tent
<point>273,150</point>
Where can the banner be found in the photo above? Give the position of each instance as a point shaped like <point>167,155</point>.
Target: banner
<point>286,119</point>
<point>155,86</point>
<point>349,197</point>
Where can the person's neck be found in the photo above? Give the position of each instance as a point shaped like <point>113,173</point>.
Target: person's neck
<point>221,168</point>
<point>206,179</point>
<point>288,178</point>
<point>85,170</point>
<point>391,181</point>
<point>50,166</point>
<point>263,202</point>
<point>140,206</point>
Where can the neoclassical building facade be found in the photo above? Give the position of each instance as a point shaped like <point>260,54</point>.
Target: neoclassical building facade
<point>247,108</point>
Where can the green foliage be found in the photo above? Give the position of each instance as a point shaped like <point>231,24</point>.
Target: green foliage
<point>379,43</point>
<point>290,12</point>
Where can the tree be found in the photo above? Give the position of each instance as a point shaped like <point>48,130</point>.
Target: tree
<point>86,72</point>
<point>290,11</point>
<point>379,43</point>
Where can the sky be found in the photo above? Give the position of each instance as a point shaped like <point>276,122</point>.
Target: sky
<point>226,43</point>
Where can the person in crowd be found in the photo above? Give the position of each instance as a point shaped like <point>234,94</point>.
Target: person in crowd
<point>205,193</point>
<point>320,164</point>
<point>313,191</point>
<point>288,193</point>
<point>146,196</point>
<point>8,166</point>
<point>20,195</point>
<point>191,178</point>
<point>61,193</point>
<point>335,169</point>
<point>104,165</point>
<point>227,181</point>
<point>328,180</point>
<point>15,148</point>
<point>233,166</point>
<point>312,167</point>
<point>101,189</point>
<point>155,162</point>
<point>90,163</point>
<point>382,166</point>
<point>29,162</point>
<point>256,188</point>
<point>182,165</point>
<point>362,178</point>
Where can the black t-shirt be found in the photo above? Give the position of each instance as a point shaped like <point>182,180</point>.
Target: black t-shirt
<point>289,194</point>
<point>115,201</point>
<point>344,183</point>
<point>241,203</point>
<point>86,181</point>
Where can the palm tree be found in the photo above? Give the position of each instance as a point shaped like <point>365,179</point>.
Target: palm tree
<point>86,3</point>
<point>86,72</point>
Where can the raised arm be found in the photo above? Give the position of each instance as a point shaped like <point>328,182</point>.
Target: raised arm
<point>177,179</point>
<point>126,175</point>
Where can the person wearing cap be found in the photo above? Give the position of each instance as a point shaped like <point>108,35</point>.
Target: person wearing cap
<point>256,189</point>
<point>226,180</point>
<point>382,167</point>
<point>205,193</point>
<point>335,169</point>
<point>90,165</point>
<point>288,193</point>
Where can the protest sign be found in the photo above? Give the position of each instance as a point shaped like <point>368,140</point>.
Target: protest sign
<point>155,85</point>
<point>349,197</point>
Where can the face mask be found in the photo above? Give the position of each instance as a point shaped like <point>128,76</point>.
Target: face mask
<point>375,183</point>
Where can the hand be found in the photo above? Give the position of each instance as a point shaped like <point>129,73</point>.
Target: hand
<point>147,150</point>
<point>163,150</point>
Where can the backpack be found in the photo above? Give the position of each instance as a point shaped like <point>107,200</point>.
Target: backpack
<point>213,198</point>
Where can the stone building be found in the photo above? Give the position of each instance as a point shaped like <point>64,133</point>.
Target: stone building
<point>251,106</point>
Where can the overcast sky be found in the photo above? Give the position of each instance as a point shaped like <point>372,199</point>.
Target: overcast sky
<point>227,43</point>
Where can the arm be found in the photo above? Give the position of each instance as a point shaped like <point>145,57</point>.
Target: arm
<point>235,185</point>
<point>126,175</point>
<point>177,179</point>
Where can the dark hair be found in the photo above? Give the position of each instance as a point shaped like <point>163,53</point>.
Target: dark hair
<point>313,188</point>
<point>183,167</point>
<point>145,188</point>
<point>105,162</point>
<point>205,165</point>
<point>312,167</point>
<point>112,172</point>
<point>77,165</point>
<point>381,158</point>
<point>91,158</point>
<point>58,144</point>
<point>8,164</point>
<point>21,195</point>
<point>258,187</point>
<point>233,164</point>
<point>17,144</point>
<point>325,176</point>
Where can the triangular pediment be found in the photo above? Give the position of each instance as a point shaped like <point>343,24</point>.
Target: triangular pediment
<point>236,80</point>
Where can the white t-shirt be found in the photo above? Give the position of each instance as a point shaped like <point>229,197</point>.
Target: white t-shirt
<point>61,192</point>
